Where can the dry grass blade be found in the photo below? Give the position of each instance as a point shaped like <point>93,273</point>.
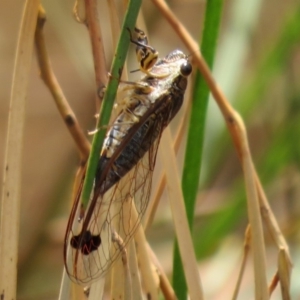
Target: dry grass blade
<point>258,245</point>
<point>247,243</point>
<point>10,203</point>
<point>121,279</point>
<point>115,31</point>
<point>97,290</point>
<point>114,23</point>
<point>134,271</point>
<point>64,291</point>
<point>149,278</point>
<point>283,275</point>
<point>180,220</point>
<point>93,25</point>
<point>165,285</point>
<point>270,220</point>
<point>273,283</point>
<point>284,271</point>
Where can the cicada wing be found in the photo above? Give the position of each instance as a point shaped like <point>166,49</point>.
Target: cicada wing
<point>87,250</point>
<point>89,246</point>
<point>91,252</point>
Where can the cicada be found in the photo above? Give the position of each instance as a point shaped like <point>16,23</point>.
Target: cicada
<point>126,164</point>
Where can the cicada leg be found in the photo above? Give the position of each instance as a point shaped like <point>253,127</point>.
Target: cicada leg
<point>146,55</point>
<point>143,87</point>
<point>140,88</point>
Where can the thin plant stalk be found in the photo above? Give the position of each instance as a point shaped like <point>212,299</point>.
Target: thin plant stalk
<point>97,290</point>
<point>148,275</point>
<point>258,245</point>
<point>11,193</point>
<point>114,23</point>
<point>180,221</point>
<point>61,102</point>
<point>120,274</point>
<point>284,273</point>
<point>165,285</point>
<point>121,277</point>
<point>93,25</point>
<point>64,291</point>
<point>134,271</point>
<point>247,242</point>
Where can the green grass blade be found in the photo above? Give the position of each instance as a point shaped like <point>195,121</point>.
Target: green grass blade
<point>192,163</point>
<point>110,94</point>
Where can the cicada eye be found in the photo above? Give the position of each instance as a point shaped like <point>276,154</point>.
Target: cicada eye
<point>186,69</point>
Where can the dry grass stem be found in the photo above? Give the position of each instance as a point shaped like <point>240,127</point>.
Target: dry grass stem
<point>65,285</point>
<point>166,287</point>
<point>115,31</point>
<point>283,275</point>
<point>180,220</point>
<point>126,266</point>
<point>93,25</point>
<point>96,290</point>
<point>114,22</point>
<point>270,221</point>
<point>148,275</point>
<point>117,290</point>
<point>10,200</point>
<point>247,245</point>
<point>273,283</point>
<point>61,102</point>
<point>258,244</point>
<point>284,272</point>
<point>136,287</point>
<point>165,284</point>
<point>121,280</point>
<point>120,271</point>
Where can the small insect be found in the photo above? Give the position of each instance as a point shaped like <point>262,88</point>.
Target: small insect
<point>124,172</point>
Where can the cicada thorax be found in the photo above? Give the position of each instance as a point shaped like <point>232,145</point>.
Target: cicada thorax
<point>127,162</point>
<point>142,121</point>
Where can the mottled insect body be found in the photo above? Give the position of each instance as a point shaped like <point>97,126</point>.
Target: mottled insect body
<point>126,164</point>
<point>152,105</point>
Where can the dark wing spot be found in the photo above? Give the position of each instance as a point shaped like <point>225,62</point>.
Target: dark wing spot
<point>86,242</point>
